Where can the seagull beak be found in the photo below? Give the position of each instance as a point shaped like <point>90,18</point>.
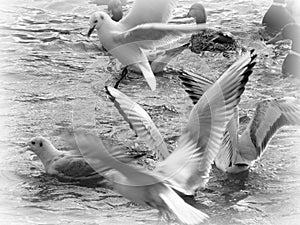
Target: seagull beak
<point>91,31</point>
<point>275,39</point>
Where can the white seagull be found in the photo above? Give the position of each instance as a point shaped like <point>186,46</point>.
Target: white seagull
<point>187,167</point>
<point>144,27</point>
<point>66,164</point>
<point>238,153</point>
<point>141,122</point>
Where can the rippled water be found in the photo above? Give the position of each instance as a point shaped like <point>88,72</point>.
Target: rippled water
<point>49,79</point>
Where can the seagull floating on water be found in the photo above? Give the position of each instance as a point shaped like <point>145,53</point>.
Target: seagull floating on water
<point>144,27</point>
<point>210,40</point>
<point>238,153</point>
<point>291,64</point>
<point>66,164</point>
<point>115,6</point>
<point>187,167</point>
<point>197,11</point>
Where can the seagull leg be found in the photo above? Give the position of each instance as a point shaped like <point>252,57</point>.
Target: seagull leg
<point>123,75</point>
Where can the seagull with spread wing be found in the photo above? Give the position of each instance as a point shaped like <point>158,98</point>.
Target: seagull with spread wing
<point>187,167</point>
<point>144,27</point>
<point>238,153</point>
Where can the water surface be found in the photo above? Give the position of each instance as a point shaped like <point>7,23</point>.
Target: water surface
<point>52,79</point>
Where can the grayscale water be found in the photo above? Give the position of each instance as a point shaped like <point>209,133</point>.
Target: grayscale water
<point>50,83</point>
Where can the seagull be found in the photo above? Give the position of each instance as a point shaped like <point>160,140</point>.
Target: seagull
<point>141,123</point>
<point>209,39</point>
<point>144,27</point>
<point>197,11</point>
<point>115,6</point>
<point>277,16</point>
<point>238,153</point>
<point>66,164</point>
<point>291,64</point>
<point>187,168</point>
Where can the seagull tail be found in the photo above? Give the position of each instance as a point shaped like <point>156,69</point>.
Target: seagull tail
<point>184,212</point>
<point>148,74</point>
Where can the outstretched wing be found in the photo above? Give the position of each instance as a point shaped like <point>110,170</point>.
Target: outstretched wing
<point>75,160</point>
<point>160,60</point>
<point>149,11</point>
<point>270,115</point>
<point>194,84</point>
<point>139,121</point>
<point>206,127</point>
<point>151,35</point>
<point>96,154</point>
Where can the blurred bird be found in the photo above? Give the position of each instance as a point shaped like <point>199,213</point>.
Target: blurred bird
<point>158,61</point>
<point>141,122</point>
<point>66,164</point>
<point>277,16</point>
<point>188,167</point>
<point>113,6</point>
<point>106,2</point>
<point>238,153</point>
<point>144,27</point>
<point>291,64</point>
<point>210,40</point>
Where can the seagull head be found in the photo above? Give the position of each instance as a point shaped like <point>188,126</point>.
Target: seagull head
<point>290,31</point>
<point>38,144</point>
<point>197,11</point>
<point>96,21</point>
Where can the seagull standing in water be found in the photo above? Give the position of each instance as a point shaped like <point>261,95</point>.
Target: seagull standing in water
<point>144,27</point>
<point>187,167</point>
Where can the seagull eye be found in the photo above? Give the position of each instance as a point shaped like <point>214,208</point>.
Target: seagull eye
<point>96,21</point>
<point>41,144</point>
<point>102,17</point>
<point>33,142</point>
